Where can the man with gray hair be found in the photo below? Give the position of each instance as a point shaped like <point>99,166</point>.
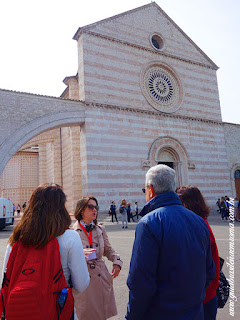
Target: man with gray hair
<point>171,264</point>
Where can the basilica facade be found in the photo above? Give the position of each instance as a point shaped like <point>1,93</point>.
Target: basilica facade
<point>147,95</point>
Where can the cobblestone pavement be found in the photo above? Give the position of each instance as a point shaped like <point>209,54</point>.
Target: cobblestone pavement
<point>122,241</point>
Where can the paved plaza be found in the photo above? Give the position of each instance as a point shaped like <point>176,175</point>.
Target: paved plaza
<point>122,241</point>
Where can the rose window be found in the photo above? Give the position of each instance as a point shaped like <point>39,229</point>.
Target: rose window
<point>161,88</point>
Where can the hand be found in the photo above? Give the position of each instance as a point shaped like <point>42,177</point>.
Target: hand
<point>116,270</point>
<point>88,251</point>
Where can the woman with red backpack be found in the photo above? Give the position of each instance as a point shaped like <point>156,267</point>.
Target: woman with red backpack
<point>43,257</point>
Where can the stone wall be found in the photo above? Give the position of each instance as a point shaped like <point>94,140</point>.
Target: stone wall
<point>118,140</point>
<point>20,177</point>
<point>232,142</point>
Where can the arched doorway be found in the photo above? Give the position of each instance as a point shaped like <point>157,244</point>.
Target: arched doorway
<point>169,157</point>
<point>52,156</point>
<point>169,151</point>
<point>237,182</point>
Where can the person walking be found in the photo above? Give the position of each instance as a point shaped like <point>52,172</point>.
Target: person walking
<point>171,263</point>
<point>193,200</point>
<point>24,206</point>
<point>130,212</point>
<point>238,210</point>
<point>123,210</point>
<point>136,210</point>
<point>44,219</point>
<point>97,302</point>
<point>112,211</point>
<point>223,206</point>
<point>218,205</point>
<point>18,209</point>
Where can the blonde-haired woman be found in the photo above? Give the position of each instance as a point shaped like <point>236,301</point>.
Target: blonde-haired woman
<point>97,302</point>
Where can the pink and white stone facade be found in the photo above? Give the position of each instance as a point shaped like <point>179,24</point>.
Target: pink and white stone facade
<point>112,133</point>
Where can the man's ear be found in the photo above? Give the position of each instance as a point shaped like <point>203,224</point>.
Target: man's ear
<point>152,193</point>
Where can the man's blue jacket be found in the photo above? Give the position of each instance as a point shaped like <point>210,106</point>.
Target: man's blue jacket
<point>171,263</point>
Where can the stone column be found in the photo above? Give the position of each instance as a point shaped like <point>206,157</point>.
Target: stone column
<point>71,165</point>
<point>42,163</point>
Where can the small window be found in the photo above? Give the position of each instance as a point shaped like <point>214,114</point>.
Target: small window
<point>157,42</point>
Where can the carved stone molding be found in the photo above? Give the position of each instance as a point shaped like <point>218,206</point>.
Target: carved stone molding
<point>145,164</point>
<point>191,165</point>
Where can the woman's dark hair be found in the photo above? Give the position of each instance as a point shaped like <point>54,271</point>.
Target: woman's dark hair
<point>44,218</point>
<point>193,200</point>
<point>81,205</point>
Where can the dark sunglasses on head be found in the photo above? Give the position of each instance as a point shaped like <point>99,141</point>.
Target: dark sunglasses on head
<point>143,190</point>
<point>91,206</point>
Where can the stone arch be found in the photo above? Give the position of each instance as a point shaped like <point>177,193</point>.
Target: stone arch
<point>235,181</point>
<point>176,151</point>
<point>33,128</point>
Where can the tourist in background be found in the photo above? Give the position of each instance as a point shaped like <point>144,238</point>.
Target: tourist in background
<point>24,206</point>
<point>136,210</point>
<point>227,202</point>
<point>236,209</point>
<point>223,206</point>
<point>112,211</point>
<point>130,212</point>
<point>97,302</point>
<point>123,210</point>
<point>218,205</point>
<point>18,209</point>
<point>193,200</point>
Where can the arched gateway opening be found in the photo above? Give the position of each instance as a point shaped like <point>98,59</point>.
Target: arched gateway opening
<point>39,115</point>
<point>53,156</point>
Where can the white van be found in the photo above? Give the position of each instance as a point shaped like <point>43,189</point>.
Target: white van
<point>6,213</point>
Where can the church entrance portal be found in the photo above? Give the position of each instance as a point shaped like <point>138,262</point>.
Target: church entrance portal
<point>169,164</point>
<point>170,158</point>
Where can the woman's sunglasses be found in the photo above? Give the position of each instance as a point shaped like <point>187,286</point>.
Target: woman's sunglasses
<point>91,206</point>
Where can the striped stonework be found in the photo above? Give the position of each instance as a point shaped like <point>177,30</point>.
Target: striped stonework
<point>105,131</point>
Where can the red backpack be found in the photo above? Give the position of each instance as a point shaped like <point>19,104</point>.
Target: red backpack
<point>32,284</point>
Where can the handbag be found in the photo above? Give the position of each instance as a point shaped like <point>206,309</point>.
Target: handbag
<point>224,287</point>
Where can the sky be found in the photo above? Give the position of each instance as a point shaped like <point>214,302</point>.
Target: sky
<point>37,50</point>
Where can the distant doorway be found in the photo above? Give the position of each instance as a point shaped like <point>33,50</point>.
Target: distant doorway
<point>170,158</point>
<point>169,164</point>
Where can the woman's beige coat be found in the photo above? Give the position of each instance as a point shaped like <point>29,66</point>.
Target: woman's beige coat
<point>97,302</point>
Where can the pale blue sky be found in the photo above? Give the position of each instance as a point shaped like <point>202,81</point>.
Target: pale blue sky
<point>37,50</point>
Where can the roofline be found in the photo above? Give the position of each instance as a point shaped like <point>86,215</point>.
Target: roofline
<point>185,35</point>
<point>64,92</point>
<point>85,28</point>
<point>80,29</point>
<point>66,79</point>
<point>36,95</point>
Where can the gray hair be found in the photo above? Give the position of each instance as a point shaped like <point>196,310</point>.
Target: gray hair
<point>162,178</point>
